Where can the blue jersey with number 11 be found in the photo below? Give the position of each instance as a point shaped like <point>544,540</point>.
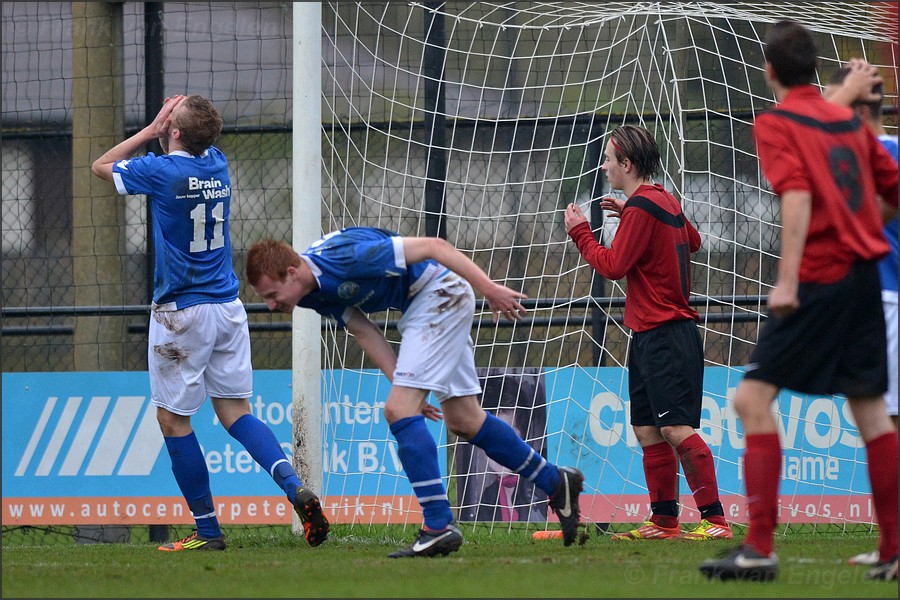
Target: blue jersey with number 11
<point>190,203</point>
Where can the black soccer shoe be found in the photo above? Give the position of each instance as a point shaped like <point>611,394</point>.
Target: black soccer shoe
<point>883,571</point>
<point>315,525</point>
<point>432,543</point>
<point>564,502</point>
<point>743,564</point>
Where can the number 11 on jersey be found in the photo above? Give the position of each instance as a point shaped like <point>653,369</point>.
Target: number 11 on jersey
<point>198,216</point>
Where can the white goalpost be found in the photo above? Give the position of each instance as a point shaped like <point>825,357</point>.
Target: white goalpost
<point>479,122</point>
<point>306,208</point>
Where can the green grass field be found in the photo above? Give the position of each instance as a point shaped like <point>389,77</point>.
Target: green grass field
<point>274,563</point>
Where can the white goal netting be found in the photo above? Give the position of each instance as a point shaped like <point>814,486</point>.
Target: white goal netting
<point>480,122</point>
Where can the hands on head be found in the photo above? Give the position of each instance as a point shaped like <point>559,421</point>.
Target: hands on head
<point>163,121</point>
<point>864,77</point>
<point>854,84</point>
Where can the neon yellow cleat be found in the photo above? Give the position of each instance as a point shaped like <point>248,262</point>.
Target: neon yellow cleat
<point>649,531</point>
<point>709,531</point>
<point>195,542</point>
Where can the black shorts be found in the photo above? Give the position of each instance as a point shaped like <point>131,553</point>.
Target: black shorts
<point>834,343</point>
<point>665,375</point>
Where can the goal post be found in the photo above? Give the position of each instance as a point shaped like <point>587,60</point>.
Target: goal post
<point>527,93</point>
<point>306,208</point>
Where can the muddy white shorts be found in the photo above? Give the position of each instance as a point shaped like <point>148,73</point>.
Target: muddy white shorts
<point>436,349</point>
<point>199,351</point>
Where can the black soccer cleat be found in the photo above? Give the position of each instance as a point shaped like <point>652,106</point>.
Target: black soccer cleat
<point>883,571</point>
<point>564,502</point>
<point>742,564</point>
<point>432,543</point>
<point>309,509</point>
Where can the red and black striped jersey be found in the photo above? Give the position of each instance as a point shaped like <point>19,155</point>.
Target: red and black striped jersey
<point>651,250</point>
<point>809,144</point>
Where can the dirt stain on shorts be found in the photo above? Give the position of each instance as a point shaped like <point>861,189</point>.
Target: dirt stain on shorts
<point>170,351</point>
<point>171,321</point>
<point>453,295</point>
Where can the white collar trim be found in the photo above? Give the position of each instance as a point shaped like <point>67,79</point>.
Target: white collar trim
<point>186,154</point>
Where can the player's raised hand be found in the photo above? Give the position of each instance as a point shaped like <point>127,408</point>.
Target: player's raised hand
<point>163,121</point>
<point>573,216</point>
<point>505,301</point>
<point>613,205</point>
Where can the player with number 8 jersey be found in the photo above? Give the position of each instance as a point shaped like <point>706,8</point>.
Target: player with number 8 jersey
<point>824,332</point>
<point>199,341</point>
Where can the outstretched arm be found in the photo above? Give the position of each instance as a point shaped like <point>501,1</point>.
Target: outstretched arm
<point>501,299</point>
<point>158,129</point>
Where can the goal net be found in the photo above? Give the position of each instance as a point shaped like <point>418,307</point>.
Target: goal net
<point>480,122</point>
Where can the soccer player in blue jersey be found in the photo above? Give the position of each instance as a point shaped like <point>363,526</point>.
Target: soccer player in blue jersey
<point>199,342</point>
<point>360,270</point>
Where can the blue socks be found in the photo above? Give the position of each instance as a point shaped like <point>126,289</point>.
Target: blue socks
<point>418,455</point>
<point>261,443</point>
<point>192,477</point>
<point>501,442</point>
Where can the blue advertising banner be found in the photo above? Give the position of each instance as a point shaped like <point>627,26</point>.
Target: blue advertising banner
<point>95,434</point>
<point>86,448</point>
<point>823,476</point>
<point>94,437</point>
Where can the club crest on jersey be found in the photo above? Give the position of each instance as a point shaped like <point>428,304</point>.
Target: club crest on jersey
<point>348,290</point>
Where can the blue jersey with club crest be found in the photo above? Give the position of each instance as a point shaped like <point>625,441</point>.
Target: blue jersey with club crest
<point>363,267</point>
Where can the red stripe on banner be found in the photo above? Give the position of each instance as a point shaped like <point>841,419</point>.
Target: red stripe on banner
<point>275,510</point>
<point>236,510</point>
<point>635,508</point>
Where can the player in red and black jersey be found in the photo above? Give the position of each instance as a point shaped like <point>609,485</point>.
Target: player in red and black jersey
<point>651,250</point>
<point>825,333</point>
